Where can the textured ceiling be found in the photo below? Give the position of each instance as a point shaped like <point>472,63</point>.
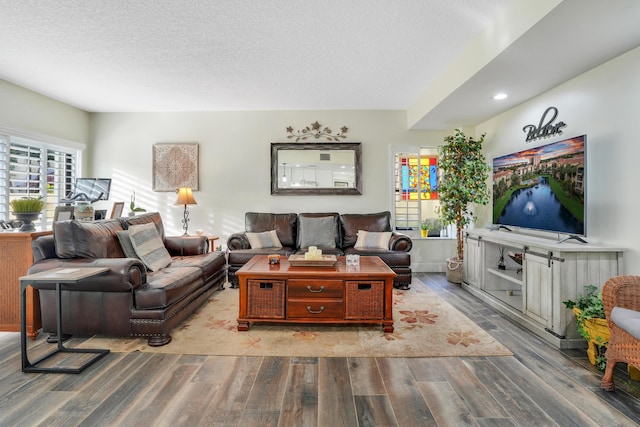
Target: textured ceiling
<point>207,55</point>
<point>188,55</point>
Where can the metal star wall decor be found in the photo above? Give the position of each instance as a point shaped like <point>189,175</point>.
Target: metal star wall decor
<point>316,131</point>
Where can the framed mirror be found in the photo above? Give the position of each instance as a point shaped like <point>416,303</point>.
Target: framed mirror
<point>316,169</point>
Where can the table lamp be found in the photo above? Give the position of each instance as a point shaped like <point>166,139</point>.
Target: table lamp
<point>185,197</point>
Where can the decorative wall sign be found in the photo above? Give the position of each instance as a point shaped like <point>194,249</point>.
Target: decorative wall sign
<point>544,130</point>
<point>175,166</point>
<point>316,132</point>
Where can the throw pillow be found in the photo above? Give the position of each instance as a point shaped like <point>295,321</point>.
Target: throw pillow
<point>373,240</point>
<point>126,245</point>
<point>266,239</point>
<point>149,247</point>
<point>74,239</point>
<point>319,232</point>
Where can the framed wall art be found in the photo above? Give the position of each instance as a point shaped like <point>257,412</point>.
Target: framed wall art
<point>175,166</point>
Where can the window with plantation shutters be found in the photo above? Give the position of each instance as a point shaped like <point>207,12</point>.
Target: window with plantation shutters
<point>31,168</point>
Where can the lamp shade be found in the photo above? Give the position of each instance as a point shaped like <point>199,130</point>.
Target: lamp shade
<point>185,197</point>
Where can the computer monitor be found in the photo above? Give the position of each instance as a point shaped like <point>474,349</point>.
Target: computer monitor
<point>91,189</point>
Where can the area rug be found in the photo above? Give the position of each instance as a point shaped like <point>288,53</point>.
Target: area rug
<point>425,326</point>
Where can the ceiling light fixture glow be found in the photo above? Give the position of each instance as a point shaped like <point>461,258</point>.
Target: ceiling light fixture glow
<point>499,96</point>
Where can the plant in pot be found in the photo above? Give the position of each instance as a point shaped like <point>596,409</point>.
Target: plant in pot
<point>593,327</point>
<point>424,228</point>
<point>434,227</point>
<point>592,324</point>
<point>27,210</point>
<point>132,206</point>
<point>463,183</point>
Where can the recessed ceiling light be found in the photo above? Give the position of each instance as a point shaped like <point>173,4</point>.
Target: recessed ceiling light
<point>499,96</point>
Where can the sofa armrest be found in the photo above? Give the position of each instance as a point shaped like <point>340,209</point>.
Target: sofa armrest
<point>238,241</point>
<point>43,247</point>
<point>186,245</point>
<point>124,275</point>
<point>400,242</point>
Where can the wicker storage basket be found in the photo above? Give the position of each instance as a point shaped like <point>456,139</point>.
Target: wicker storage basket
<point>266,299</point>
<point>364,300</point>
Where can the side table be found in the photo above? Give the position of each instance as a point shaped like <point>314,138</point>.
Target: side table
<point>62,277</point>
<point>212,241</point>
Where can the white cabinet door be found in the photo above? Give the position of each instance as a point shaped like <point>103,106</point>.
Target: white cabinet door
<point>472,262</point>
<point>538,286</point>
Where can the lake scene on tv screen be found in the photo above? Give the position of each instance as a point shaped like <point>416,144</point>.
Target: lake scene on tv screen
<point>542,188</point>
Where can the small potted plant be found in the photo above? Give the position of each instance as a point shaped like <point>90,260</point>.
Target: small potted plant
<point>132,206</point>
<point>27,210</point>
<point>592,324</point>
<point>424,228</point>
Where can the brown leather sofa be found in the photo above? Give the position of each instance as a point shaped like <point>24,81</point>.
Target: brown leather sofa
<point>128,300</point>
<point>290,231</point>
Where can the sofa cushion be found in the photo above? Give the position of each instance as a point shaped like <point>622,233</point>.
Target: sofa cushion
<point>167,286</point>
<point>629,320</point>
<point>373,240</point>
<point>149,247</point>
<point>125,244</point>
<point>145,218</point>
<point>266,239</point>
<point>285,225</point>
<point>74,239</point>
<point>318,231</point>
<point>211,263</point>
<point>351,223</point>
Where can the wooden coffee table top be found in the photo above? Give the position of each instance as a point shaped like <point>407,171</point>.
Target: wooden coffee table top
<point>369,265</point>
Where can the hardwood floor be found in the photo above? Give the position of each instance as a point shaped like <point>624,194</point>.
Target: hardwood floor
<point>538,386</point>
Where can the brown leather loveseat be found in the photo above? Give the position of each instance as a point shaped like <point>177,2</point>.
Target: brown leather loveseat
<point>334,233</point>
<point>130,299</point>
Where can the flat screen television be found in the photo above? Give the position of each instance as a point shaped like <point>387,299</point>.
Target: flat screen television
<point>542,188</point>
<point>93,188</point>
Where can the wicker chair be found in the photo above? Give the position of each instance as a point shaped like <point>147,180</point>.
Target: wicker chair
<point>620,291</point>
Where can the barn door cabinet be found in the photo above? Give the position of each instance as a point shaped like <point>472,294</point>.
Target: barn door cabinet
<point>536,274</point>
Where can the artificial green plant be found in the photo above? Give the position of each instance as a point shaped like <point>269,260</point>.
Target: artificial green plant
<point>463,182</point>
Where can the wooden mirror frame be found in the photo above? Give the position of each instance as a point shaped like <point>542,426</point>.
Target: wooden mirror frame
<point>356,147</point>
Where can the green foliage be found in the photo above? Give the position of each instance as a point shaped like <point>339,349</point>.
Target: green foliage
<point>464,181</point>
<point>28,205</point>
<point>132,205</point>
<point>590,304</point>
<point>591,307</point>
<point>430,224</point>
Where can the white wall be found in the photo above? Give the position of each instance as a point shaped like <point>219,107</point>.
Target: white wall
<point>235,165</point>
<point>603,103</point>
<point>32,113</point>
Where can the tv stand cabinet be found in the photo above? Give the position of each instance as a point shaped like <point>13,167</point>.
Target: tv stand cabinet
<point>531,293</point>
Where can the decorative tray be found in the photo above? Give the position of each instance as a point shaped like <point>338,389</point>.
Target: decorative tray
<point>298,260</point>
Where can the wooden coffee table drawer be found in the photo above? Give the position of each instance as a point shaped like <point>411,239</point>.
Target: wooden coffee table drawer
<point>315,309</point>
<point>314,288</point>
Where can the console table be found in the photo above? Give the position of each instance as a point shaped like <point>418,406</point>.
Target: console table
<point>336,294</point>
<point>531,293</point>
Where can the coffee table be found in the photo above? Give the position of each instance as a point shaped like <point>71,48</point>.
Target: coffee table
<point>334,294</point>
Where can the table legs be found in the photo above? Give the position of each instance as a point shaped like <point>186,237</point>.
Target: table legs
<point>28,366</point>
